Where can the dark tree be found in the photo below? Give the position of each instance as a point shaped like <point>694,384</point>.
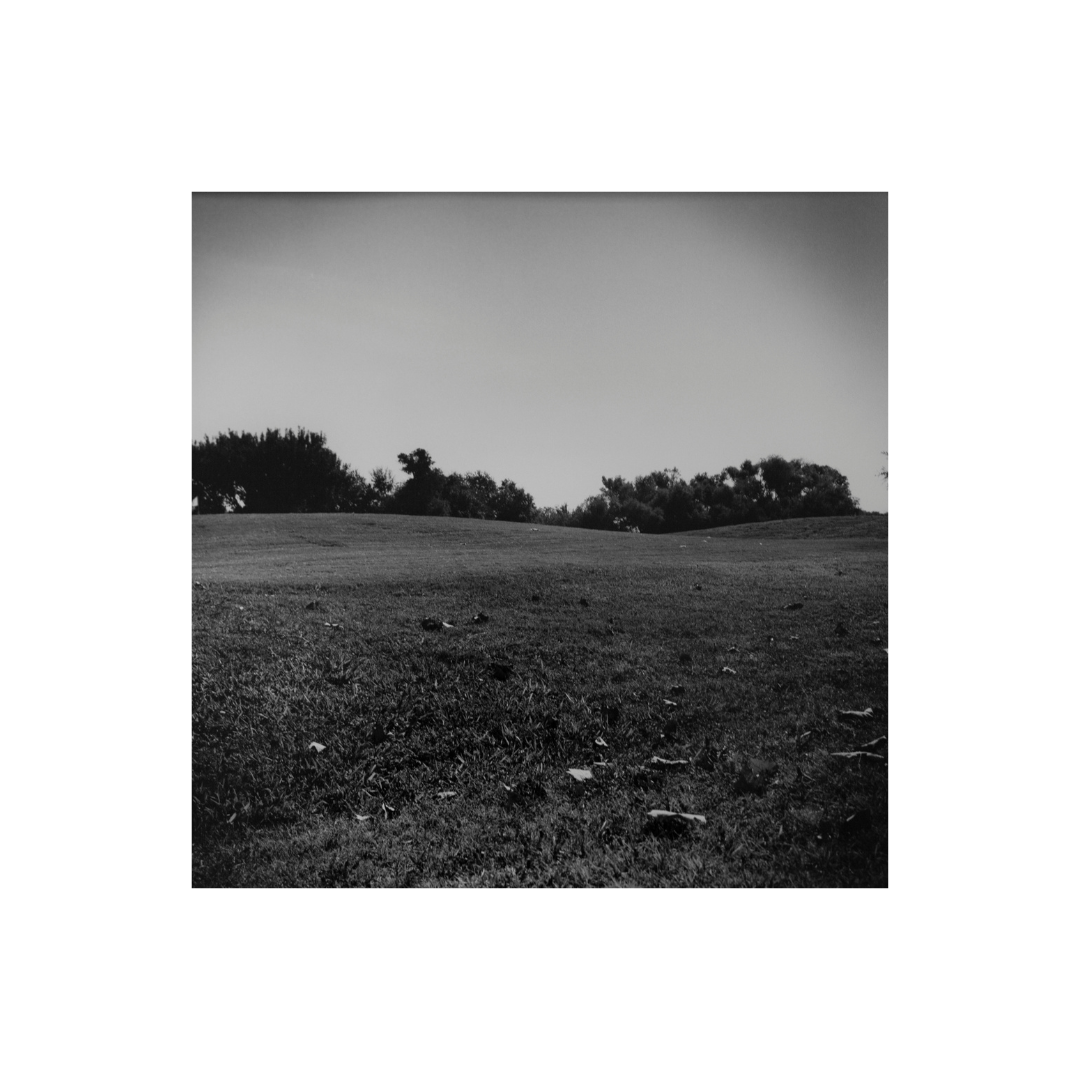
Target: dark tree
<point>512,503</point>
<point>273,473</point>
<point>419,493</point>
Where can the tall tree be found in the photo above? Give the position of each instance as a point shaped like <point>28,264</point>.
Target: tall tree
<point>273,473</point>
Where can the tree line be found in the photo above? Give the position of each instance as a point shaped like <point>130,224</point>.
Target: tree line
<point>296,472</point>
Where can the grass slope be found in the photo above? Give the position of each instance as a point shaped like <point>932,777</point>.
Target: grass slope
<point>309,629</point>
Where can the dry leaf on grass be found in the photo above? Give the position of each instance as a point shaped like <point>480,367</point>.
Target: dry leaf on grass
<point>362,817</point>
<point>599,741</point>
<point>672,821</point>
<point>581,774</point>
<point>670,704</point>
<point>317,747</point>
<point>449,794</point>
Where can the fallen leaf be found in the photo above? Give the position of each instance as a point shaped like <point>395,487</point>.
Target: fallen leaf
<point>671,704</point>
<point>449,626</point>
<point>857,714</point>
<point>449,794</point>
<point>727,671</point>
<point>362,817</point>
<point>666,815</point>
<point>317,747</point>
<point>668,763</point>
<point>581,774</point>
<point>599,741</point>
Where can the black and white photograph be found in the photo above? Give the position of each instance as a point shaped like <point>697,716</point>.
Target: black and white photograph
<point>540,540</point>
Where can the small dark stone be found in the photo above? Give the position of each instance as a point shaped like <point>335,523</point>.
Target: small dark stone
<point>754,777</point>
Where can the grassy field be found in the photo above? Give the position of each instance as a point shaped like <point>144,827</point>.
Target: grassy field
<point>337,740</point>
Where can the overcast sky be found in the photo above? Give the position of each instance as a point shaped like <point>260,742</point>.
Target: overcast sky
<point>550,339</point>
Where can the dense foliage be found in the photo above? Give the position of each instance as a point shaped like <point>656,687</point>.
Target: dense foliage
<point>296,472</point>
<point>664,502</point>
<point>274,473</point>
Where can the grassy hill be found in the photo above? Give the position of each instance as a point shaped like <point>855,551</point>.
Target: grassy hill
<point>338,740</point>
<point>310,547</point>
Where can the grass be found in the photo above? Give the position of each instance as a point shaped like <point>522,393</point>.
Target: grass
<point>308,629</point>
